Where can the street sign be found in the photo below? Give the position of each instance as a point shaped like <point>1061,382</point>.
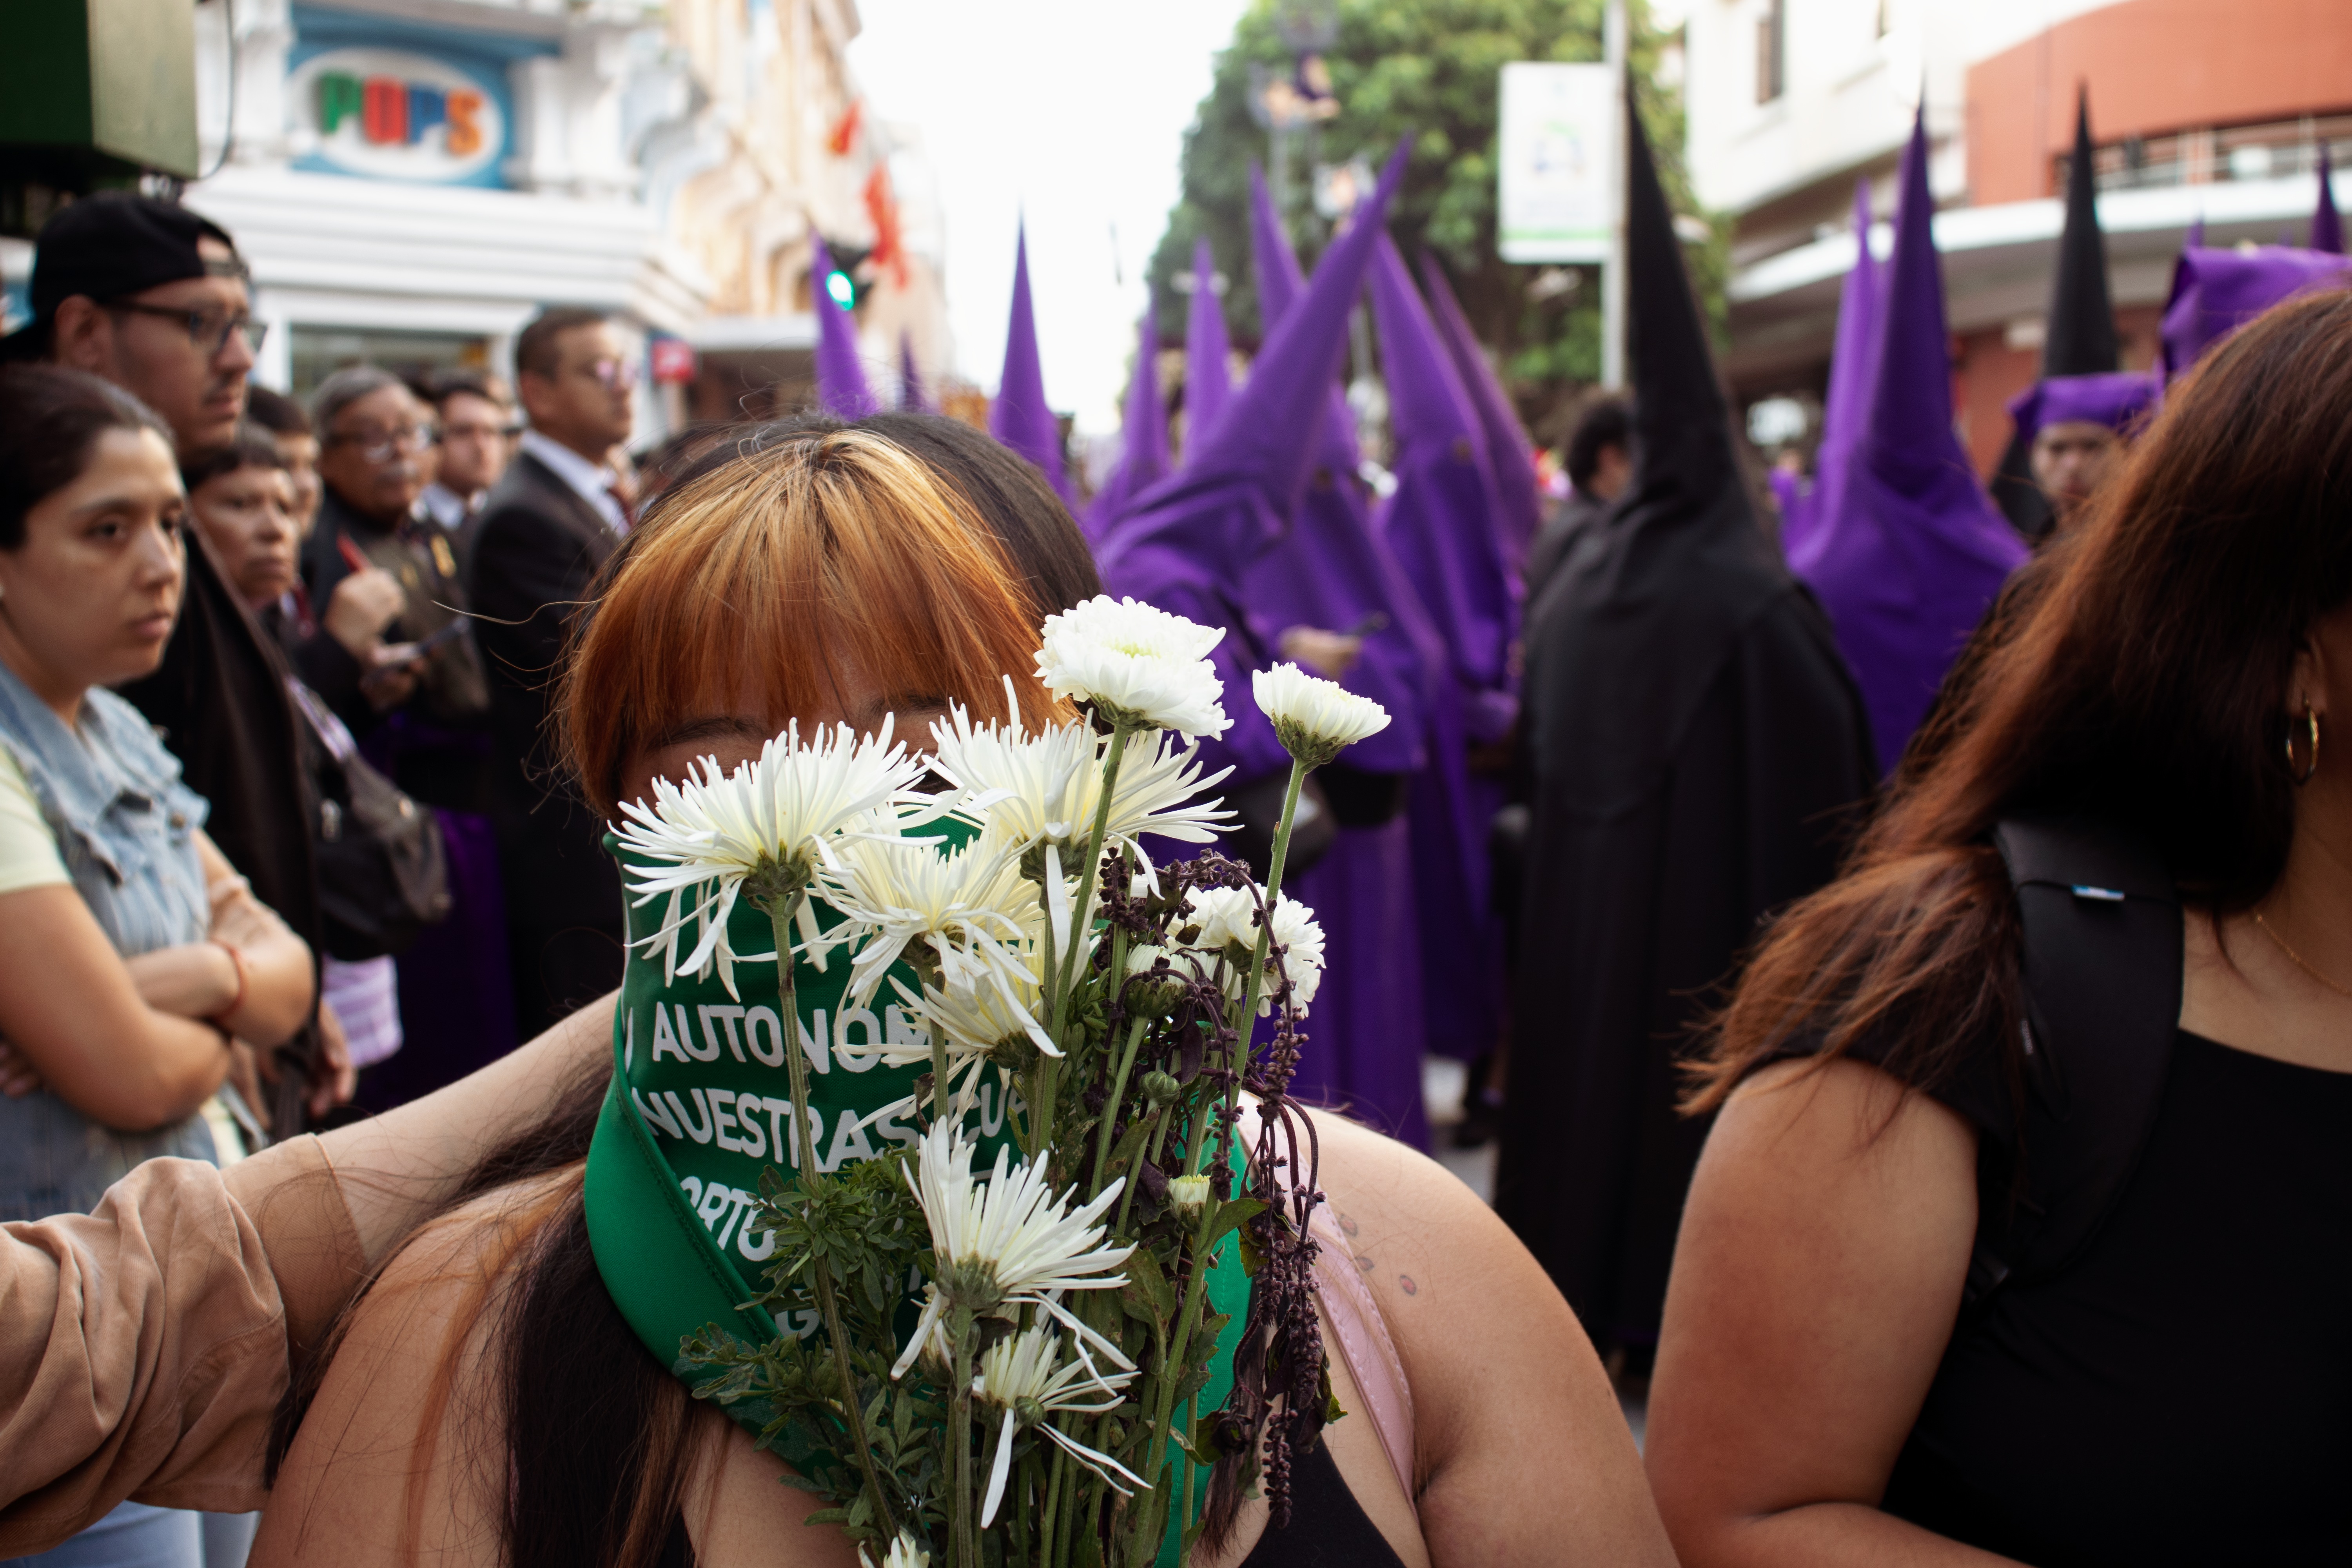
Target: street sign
<point>1560,162</point>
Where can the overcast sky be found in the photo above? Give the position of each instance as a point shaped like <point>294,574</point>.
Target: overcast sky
<point>1072,111</point>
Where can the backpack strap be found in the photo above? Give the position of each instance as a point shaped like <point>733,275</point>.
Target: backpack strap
<point>2101,965</point>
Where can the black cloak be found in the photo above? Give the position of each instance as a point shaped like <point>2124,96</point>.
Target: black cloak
<point>1694,745</point>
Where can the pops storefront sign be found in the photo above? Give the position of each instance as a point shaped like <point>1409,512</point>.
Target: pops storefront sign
<point>396,114</point>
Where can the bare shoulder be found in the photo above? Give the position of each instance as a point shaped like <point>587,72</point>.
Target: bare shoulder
<point>401,1452</point>
<point>1521,1453</point>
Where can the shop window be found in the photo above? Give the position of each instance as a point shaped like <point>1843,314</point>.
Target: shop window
<point>1771,51</point>
<point>318,352</point>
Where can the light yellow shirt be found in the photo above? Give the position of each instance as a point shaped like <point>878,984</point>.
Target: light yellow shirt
<point>28,851</point>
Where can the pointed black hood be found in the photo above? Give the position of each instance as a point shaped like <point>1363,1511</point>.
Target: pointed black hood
<point>1632,629</point>
<point>2080,331</point>
<point>2081,338</point>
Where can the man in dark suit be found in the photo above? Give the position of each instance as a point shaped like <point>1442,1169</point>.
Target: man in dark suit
<point>536,543</point>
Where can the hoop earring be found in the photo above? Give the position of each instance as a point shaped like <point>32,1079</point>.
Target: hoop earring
<point>2302,775</point>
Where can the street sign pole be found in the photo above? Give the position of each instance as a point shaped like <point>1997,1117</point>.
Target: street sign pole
<point>1612,270</point>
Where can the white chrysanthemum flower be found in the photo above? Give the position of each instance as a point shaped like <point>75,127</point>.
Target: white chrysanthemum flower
<point>1313,718</point>
<point>1028,1369</point>
<point>1046,788</point>
<point>1136,664</point>
<point>965,910</point>
<point>1008,1242</point>
<point>1188,1195</point>
<point>1226,919</point>
<point>906,1552</point>
<point>772,820</point>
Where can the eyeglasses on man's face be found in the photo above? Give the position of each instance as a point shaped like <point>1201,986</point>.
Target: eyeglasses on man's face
<point>377,444</point>
<point>209,329</point>
<point>611,373</point>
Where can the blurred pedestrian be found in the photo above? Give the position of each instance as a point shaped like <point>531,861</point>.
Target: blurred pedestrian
<point>1693,739</point>
<point>434,738</point>
<point>242,499</point>
<point>373,437</point>
<point>297,447</point>
<point>543,533</point>
<point>474,440</point>
<point>2016,1231</point>
<point>154,299</point>
<point>2077,429</point>
<point>1600,465</point>
<point>133,956</point>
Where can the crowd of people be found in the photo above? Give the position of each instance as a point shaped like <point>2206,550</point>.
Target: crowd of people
<point>1908,963</point>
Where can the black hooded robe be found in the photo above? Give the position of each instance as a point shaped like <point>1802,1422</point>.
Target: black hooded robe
<point>1697,748</point>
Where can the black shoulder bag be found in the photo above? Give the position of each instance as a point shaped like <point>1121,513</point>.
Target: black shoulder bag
<point>383,875</point>
<point>2102,970</point>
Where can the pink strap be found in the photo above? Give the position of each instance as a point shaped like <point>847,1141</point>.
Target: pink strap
<point>1362,1333</point>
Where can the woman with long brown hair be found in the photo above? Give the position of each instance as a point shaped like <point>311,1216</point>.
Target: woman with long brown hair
<point>1859,1363</point>
<point>488,1402</point>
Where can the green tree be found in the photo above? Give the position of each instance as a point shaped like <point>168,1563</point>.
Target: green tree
<point>1430,68</point>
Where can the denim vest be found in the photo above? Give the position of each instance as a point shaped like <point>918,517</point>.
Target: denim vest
<point>126,829</point>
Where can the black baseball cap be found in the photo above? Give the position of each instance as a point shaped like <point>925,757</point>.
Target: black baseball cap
<point>109,247</point>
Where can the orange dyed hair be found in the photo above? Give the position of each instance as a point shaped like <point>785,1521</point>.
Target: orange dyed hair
<point>787,565</point>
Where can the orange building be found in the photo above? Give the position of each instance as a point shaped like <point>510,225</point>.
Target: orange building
<point>2202,111</point>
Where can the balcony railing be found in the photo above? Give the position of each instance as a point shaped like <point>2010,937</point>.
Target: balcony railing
<point>2202,155</point>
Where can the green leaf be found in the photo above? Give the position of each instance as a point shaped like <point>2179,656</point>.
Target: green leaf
<point>1147,1288</point>
<point>1233,1213</point>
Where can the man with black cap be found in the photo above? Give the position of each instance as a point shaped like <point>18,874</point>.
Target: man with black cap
<point>150,296</point>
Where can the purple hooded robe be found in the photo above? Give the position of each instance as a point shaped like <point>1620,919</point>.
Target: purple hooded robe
<point>1333,573</point>
<point>1909,554</point>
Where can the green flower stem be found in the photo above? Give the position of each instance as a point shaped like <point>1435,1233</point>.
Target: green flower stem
<point>1065,972</point>
<point>1045,1557</point>
<point>1188,1317</point>
<point>938,1071</point>
<point>1063,1550</point>
<point>1247,1020</point>
<point>964,1550</point>
<point>1127,1197</point>
<point>780,917</point>
<point>1111,1106</point>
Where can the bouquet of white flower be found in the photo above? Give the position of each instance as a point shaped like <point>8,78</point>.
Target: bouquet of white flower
<point>1066,1298</point>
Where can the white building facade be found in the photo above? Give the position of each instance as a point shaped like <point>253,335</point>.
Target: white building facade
<point>1792,101</point>
<point>412,180</point>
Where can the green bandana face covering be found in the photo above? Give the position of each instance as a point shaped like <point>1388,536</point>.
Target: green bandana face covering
<point>701,1099</point>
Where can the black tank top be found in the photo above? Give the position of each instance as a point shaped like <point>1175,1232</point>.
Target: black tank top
<point>1329,1528</point>
<point>2182,1393</point>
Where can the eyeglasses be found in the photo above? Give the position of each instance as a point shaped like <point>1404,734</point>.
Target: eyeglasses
<point>377,446</point>
<point>613,374</point>
<point>208,331</point>
<point>479,432</point>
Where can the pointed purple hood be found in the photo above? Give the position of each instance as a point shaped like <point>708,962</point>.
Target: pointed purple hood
<point>2215,292</point>
<point>1021,417</point>
<point>2326,224</point>
<point>1143,432</point>
<point>841,389</point>
<point>1279,284</point>
<point>1208,371</point>
<point>1184,544</point>
<point>1330,570</point>
<point>1510,456</point>
<point>1440,519</point>
<point>1912,552</point>
<point>1853,360</point>
<point>911,399</point>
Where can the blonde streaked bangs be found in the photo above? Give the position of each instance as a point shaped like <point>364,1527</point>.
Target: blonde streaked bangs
<point>827,553</point>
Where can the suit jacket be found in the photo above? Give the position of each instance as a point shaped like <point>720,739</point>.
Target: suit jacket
<point>536,547</point>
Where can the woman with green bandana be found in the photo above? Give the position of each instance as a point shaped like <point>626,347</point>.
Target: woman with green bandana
<point>512,1391</point>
